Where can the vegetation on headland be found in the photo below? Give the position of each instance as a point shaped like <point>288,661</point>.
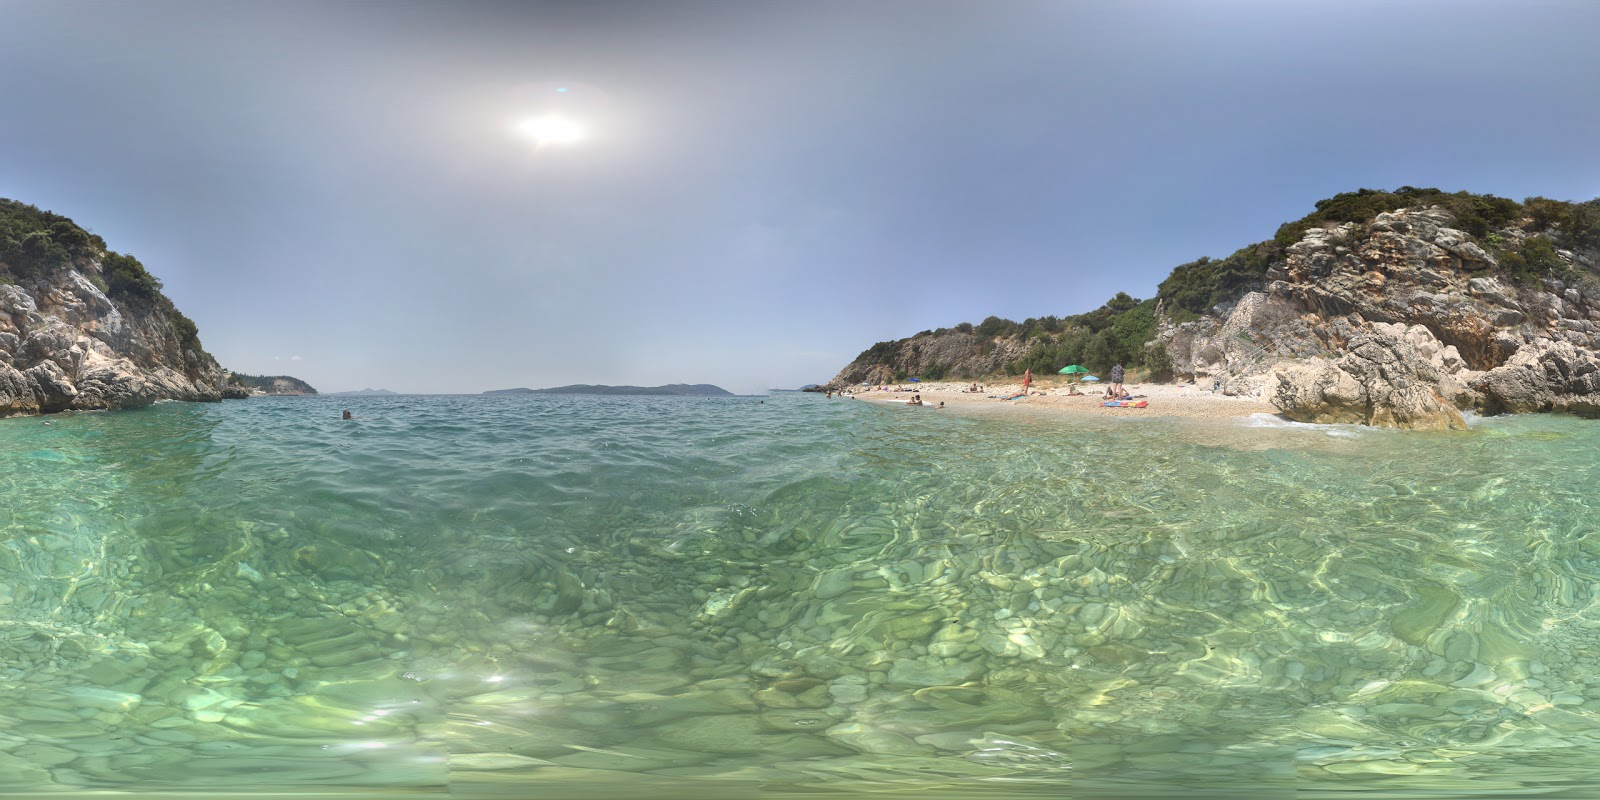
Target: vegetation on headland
<point>1123,329</point>
<point>272,384</point>
<point>35,244</point>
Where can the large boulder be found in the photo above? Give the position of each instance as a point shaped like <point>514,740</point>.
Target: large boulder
<point>1544,375</point>
<point>1389,376</point>
<point>17,392</point>
<point>51,386</point>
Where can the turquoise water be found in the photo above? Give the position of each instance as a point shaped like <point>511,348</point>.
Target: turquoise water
<point>546,596</point>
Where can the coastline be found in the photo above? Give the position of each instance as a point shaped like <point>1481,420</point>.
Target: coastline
<point>1165,399</point>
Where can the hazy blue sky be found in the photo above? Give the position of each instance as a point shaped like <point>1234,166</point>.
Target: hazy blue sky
<point>339,191</point>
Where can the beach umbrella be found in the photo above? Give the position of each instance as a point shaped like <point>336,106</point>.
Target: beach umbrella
<point>914,380</point>
<point>1090,378</point>
<point>1074,369</point>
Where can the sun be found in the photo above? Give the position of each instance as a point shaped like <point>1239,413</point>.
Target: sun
<point>552,129</point>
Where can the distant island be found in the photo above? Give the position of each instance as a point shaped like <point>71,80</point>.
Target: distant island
<point>671,389</point>
<point>365,392</point>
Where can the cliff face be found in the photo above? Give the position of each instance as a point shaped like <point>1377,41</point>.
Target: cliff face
<point>946,354</point>
<point>1403,322</point>
<point>74,337</point>
<point>1396,309</point>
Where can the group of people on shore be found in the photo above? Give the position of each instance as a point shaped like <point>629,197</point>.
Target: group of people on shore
<point>1114,391</point>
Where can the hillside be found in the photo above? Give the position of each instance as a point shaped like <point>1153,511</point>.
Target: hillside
<point>276,385</point>
<point>671,389</point>
<point>84,327</point>
<point>1389,308</point>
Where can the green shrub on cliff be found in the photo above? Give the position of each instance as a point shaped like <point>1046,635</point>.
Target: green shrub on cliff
<point>1582,225</point>
<point>1194,288</point>
<point>32,240</point>
<point>1113,333</point>
<point>1132,328</point>
<point>1577,224</point>
<point>188,332</point>
<point>127,278</point>
<point>997,326</point>
<point>1476,214</point>
<point>1534,261</point>
<point>881,353</point>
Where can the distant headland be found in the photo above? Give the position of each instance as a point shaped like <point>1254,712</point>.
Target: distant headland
<point>671,389</point>
<point>275,385</point>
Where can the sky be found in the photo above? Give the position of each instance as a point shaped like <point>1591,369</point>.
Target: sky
<point>382,194</point>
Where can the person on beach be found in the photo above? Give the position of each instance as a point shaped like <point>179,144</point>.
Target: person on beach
<point>916,400</point>
<point>1027,379</point>
<point>1116,379</point>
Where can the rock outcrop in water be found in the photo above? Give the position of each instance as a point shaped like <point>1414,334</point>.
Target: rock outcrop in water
<point>82,327</point>
<point>1396,309</point>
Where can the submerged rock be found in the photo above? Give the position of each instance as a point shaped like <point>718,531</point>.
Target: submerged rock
<point>937,673</point>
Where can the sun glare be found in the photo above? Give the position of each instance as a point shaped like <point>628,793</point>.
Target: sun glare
<point>552,129</point>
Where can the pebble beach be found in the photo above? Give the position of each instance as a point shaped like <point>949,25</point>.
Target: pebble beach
<point>1166,399</point>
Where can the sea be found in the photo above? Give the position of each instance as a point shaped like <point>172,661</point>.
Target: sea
<point>791,596</point>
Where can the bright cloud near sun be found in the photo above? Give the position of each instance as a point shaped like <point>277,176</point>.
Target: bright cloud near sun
<point>552,129</point>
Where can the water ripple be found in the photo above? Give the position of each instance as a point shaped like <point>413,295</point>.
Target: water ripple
<point>813,594</point>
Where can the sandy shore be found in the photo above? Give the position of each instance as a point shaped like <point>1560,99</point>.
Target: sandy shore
<point>1166,399</point>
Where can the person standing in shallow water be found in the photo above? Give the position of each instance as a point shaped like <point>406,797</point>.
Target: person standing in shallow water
<point>346,414</point>
<point>1116,380</point>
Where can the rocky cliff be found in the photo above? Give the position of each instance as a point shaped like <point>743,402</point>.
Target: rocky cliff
<point>955,354</point>
<point>82,327</point>
<point>1405,321</point>
<point>1397,309</point>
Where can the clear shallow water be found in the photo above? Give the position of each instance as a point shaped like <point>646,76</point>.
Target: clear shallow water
<point>510,595</point>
